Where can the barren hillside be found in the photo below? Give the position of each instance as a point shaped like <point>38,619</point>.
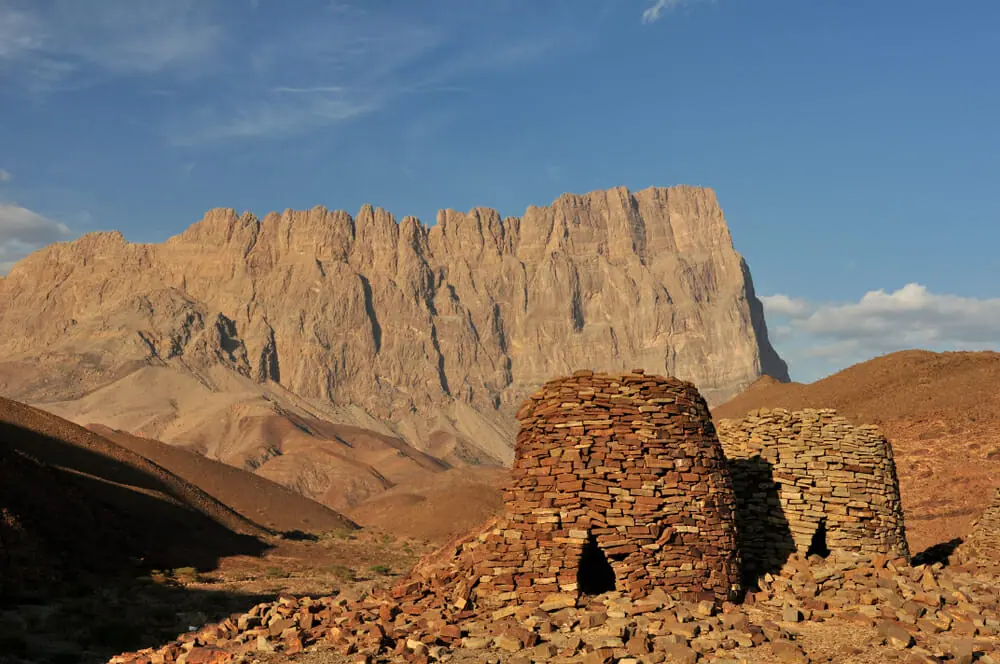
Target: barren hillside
<point>257,498</point>
<point>109,541</point>
<point>74,502</point>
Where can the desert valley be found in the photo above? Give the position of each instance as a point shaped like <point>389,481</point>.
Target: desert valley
<point>560,437</point>
<point>512,332</point>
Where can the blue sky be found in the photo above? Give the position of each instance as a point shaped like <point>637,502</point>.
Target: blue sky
<point>854,145</point>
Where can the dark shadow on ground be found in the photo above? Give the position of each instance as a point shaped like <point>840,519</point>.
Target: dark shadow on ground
<point>86,512</point>
<point>80,533</point>
<point>92,620</point>
<point>762,532</point>
<point>938,553</point>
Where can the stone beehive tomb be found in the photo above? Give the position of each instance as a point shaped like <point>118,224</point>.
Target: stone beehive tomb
<point>811,482</point>
<point>982,546</point>
<point>619,482</point>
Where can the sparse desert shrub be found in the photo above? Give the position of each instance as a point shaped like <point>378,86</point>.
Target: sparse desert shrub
<point>299,536</point>
<point>187,575</point>
<point>341,534</point>
<point>342,572</point>
<point>276,573</point>
<point>159,576</point>
<point>384,570</point>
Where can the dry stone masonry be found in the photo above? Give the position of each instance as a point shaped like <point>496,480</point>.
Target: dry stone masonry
<point>811,482</point>
<point>618,482</point>
<point>621,481</point>
<point>891,611</point>
<point>982,546</point>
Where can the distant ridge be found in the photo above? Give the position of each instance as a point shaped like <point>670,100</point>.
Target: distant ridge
<point>234,335</point>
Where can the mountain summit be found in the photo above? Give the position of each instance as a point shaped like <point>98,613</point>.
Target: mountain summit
<point>434,334</point>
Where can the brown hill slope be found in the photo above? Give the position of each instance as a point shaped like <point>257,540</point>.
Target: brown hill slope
<point>75,503</point>
<point>261,429</point>
<point>941,411</point>
<point>103,549</point>
<point>35,551</point>
<point>74,449</point>
<point>437,508</point>
<point>255,497</point>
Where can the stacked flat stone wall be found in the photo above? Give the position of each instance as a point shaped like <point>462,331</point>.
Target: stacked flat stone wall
<point>982,545</point>
<point>810,481</point>
<point>623,471</point>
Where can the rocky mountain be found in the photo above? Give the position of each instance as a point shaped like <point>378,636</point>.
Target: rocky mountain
<point>428,336</point>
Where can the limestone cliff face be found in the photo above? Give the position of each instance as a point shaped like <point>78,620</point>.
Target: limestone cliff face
<point>400,319</point>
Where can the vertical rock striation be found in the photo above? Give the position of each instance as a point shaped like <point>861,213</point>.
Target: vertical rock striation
<point>464,318</point>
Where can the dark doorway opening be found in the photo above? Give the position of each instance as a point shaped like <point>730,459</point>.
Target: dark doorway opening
<point>595,574</point>
<point>818,545</point>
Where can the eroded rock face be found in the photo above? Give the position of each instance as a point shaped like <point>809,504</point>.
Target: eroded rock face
<point>405,321</point>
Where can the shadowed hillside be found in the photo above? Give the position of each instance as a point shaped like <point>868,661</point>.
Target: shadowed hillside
<point>95,536</point>
<point>255,497</point>
<point>87,504</point>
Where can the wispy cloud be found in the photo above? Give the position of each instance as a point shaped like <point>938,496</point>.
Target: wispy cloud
<point>23,231</point>
<point>20,32</point>
<point>664,7</point>
<point>822,337</point>
<point>349,64</point>
<point>270,118</point>
<point>782,305</point>
<point>66,43</point>
<point>5,175</point>
<point>315,89</point>
<point>232,74</point>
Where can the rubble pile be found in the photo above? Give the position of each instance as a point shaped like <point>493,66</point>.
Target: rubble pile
<point>919,614</point>
<point>621,543</point>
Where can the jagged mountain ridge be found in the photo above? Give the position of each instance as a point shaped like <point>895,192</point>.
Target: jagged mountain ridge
<point>440,329</point>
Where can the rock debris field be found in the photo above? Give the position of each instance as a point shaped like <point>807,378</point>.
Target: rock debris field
<point>620,542</point>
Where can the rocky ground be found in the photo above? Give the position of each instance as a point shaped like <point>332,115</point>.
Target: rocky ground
<point>90,620</point>
<point>839,609</point>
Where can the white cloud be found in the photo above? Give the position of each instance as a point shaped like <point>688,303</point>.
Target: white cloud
<point>310,90</point>
<point>819,338</point>
<point>23,231</point>
<point>783,305</point>
<point>662,8</point>
<point>312,69</point>
<point>5,175</point>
